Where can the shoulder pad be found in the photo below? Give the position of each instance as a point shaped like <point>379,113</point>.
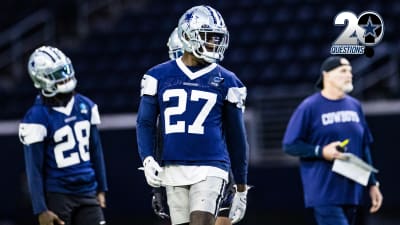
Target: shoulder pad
<point>30,133</point>
<point>95,116</point>
<point>237,95</point>
<point>148,85</point>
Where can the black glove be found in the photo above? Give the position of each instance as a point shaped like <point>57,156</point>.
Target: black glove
<point>157,202</point>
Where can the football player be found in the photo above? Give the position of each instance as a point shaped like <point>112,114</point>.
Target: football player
<point>175,50</point>
<point>62,147</point>
<point>201,107</point>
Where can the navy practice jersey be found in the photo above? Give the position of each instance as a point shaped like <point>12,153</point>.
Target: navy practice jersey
<point>69,159</point>
<point>319,121</point>
<point>191,107</point>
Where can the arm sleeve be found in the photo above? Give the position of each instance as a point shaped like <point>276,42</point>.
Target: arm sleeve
<point>97,158</point>
<point>236,141</point>
<point>146,126</point>
<point>301,149</point>
<point>34,160</point>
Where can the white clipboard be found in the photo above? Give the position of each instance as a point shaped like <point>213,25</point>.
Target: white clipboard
<point>353,168</point>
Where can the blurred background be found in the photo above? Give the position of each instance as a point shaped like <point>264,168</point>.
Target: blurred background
<point>276,47</point>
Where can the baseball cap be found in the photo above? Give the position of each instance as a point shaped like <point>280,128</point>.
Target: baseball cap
<point>329,64</point>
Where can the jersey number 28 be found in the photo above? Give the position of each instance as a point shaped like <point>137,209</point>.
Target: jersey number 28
<point>66,139</point>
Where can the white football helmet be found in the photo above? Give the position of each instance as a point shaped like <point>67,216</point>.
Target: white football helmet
<point>175,45</point>
<point>51,71</point>
<point>203,32</point>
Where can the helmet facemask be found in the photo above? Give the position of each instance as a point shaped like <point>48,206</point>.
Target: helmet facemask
<point>60,81</point>
<point>211,45</point>
<point>51,71</point>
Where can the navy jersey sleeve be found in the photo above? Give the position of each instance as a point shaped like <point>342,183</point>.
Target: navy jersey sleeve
<point>295,140</point>
<point>234,127</point>
<point>236,141</point>
<point>146,126</point>
<point>34,159</point>
<point>32,134</point>
<point>97,158</point>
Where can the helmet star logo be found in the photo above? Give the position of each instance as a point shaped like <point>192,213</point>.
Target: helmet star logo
<point>189,16</point>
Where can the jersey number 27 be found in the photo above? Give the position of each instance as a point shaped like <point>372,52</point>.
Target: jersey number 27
<point>195,95</point>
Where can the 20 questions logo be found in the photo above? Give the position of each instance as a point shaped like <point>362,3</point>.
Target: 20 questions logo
<point>360,34</point>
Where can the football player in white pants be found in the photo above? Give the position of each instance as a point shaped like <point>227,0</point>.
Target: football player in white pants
<point>201,107</point>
